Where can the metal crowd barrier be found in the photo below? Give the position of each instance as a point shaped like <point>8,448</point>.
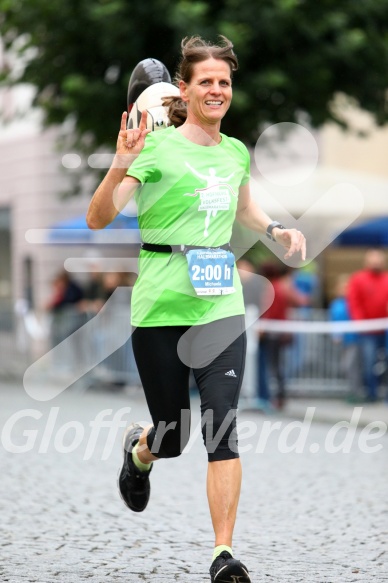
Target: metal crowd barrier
<point>313,362</point>
<point>92,348</point>
<point>96,349</point>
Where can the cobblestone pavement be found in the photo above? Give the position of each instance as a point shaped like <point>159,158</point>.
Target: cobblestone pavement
<point>310,517</point>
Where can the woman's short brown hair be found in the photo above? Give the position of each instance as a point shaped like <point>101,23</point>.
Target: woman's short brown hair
<point>195,50</point>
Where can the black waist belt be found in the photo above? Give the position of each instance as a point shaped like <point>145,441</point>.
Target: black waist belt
<point>179,248</point>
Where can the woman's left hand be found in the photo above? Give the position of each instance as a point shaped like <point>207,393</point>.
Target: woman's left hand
<point>292,240</point>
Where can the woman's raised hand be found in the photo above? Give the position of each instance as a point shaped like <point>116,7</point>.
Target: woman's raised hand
<point>132,141</point>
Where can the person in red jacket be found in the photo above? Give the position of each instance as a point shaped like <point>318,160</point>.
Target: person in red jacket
<point>368,299</point>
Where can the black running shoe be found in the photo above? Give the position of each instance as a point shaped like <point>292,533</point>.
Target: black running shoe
<point>134,485</point>
<point>226,569</point>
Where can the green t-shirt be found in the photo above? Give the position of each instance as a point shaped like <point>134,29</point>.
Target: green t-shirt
<point>188,196</point>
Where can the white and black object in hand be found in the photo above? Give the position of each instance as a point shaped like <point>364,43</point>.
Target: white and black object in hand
<point>271,227</point>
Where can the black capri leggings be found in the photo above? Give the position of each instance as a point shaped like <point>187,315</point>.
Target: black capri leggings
<point>216,354</point>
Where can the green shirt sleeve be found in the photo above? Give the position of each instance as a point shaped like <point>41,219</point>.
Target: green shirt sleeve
<point>144,168</point>
<point>247,174</point>
<point>245,159</point>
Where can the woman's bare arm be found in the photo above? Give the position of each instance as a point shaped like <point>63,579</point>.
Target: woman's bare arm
<point>253,217</point>
<point>116,189</point>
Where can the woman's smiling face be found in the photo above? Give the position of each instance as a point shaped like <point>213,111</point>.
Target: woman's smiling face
<point>209,93</point>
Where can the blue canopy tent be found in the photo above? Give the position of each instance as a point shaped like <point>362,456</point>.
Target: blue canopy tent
<point>123,229</point>
<point>368,234</point>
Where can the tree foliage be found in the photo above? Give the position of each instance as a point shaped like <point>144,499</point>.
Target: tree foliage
<point>295,56</point>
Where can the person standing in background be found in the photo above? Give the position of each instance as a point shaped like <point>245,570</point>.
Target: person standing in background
<point>272,344</point>
<point>67,316</point>
<point>348,342</point>
<point>368,299</point>
<point>65,305</point>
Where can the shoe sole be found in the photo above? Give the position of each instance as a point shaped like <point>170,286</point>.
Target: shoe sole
<point>234,573</point>
<point>128,429</point>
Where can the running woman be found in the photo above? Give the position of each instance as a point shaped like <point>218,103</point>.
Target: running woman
<point>187,304</point>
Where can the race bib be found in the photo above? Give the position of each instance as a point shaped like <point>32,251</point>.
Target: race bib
<point>211,271</point>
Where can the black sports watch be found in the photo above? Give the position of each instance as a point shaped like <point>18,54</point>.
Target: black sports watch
<point>271,227</point>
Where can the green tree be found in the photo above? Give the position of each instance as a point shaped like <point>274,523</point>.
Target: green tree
<point>295,56</point>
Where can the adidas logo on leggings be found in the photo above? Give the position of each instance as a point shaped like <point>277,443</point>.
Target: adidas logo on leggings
<point>231,373</point>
